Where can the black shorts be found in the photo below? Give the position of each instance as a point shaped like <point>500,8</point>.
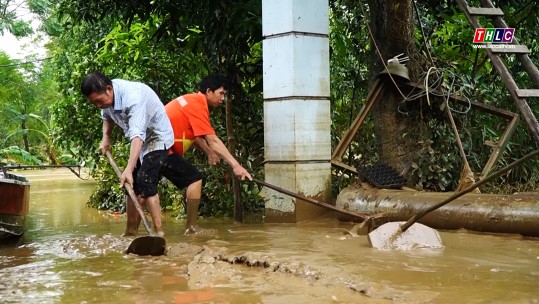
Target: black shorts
<point>181,173</point>
<point>146,175</point>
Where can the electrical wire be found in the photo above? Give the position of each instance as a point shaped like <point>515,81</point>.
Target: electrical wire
<point>429,88</point>
<point>378,50</point>
<point>23,63</point>
<point>427,45</point>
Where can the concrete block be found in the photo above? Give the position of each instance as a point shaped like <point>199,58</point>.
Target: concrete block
<point>281,16</point>
<point>312,180</point>
<point>296,66</point>
<point>297,130</point>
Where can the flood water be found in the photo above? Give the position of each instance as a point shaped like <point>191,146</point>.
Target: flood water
<point>74,254</point>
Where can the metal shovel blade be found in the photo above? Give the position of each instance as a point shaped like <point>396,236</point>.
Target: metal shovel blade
<point>147,245</point>
<point>389,236</point>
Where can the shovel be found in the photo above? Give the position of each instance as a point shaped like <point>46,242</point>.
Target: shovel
<point>396,235</point>
<point>144,245</point>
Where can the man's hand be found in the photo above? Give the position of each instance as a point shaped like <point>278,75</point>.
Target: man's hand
<point>241,173</point>
<point>127,177</point>
<point>213,158</point>
<point>108,125</point>
<point>105,145</point>
<point>200,143</point>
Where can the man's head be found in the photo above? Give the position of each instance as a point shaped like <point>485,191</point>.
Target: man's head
<point>97,88</point>
<point>214,87</point>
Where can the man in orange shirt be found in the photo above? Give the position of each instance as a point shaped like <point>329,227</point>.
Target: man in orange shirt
<point>190,119</point>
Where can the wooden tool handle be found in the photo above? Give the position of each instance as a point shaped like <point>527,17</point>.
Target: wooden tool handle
<point>308,199</point>
<point>131,193</point>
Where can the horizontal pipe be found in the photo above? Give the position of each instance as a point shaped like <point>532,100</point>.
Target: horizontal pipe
<point>516,213</point>
<point>39,166</point>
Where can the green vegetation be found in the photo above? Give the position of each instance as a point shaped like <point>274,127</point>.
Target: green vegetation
<point>170,45</point>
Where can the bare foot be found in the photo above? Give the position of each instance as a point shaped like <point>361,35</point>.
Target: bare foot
<point>160,233</point>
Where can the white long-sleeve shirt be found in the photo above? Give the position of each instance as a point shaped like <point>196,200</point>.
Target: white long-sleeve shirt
<point>139,112</point>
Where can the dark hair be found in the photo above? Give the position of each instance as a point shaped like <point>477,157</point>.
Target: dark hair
<point>212,82</point>
<point>94,82</point>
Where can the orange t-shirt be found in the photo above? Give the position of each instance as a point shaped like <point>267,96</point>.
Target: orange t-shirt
<point>190,118</point>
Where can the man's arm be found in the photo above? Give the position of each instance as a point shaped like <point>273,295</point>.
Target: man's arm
<point>219,147</point>
<point>201,144</point>
<point>136,147</point>
<point>136,132</point>
<point>108,125</point>
<point>134,152</point>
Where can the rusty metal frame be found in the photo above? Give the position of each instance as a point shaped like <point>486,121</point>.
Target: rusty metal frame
<point>503,71</point>
<point>498,148</point>
<point>336,158</point>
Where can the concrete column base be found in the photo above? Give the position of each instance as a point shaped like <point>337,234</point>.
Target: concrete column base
<point>308,179</point>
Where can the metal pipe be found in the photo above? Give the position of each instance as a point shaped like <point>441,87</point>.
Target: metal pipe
<point>40,166</point>
<point>516,213</point>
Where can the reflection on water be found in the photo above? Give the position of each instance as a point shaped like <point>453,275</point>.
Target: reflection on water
<point>73,254</point>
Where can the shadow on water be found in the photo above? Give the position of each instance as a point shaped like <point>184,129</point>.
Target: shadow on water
<point>74,254</point>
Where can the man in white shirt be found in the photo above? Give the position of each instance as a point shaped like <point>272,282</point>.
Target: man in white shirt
<point>139,112</point>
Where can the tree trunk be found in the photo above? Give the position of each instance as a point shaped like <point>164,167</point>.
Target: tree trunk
<point>397,133</point>
<point>238,206</point>
<point>25,137</point>
<point>52,155</point>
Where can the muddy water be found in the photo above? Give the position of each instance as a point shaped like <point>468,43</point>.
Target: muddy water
<point>73,254</point>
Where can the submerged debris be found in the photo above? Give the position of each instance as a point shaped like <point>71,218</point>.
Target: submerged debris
<point>215,266</point>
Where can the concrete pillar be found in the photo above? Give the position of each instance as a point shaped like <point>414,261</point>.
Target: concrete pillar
<point>297,142</point>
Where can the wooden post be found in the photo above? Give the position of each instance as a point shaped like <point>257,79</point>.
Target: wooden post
<point>231,140</point>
